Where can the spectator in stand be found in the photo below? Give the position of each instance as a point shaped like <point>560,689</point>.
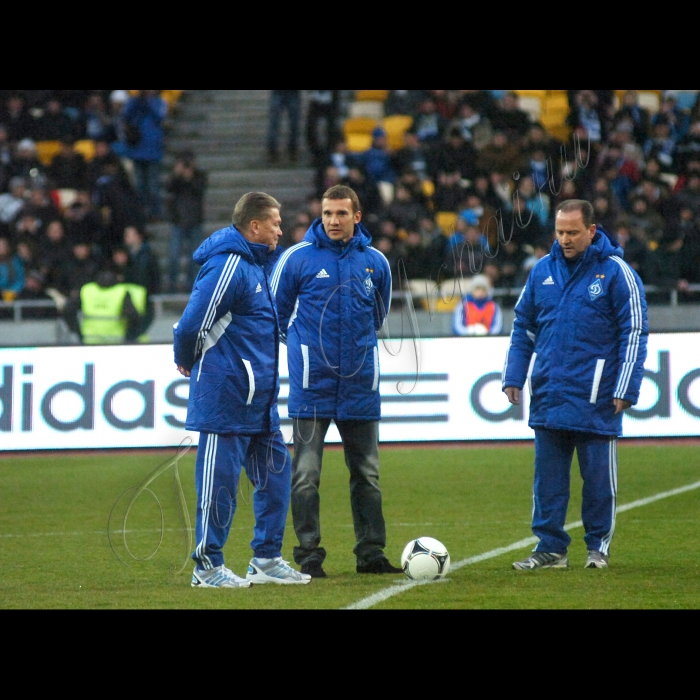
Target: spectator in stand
<point>510,118</point>
<point>405,210</point>
<point>688,229</point>
<point>377,160</point>
<point>631,116</point>
<point>605,213</point>
<point>502,155</point>
<point>536,200</point>
<point>634,247</point>
<point>446,103</point>
<point>104,153</point>
<point>428,123</point>
<point>82,268</point>
<point>475,127</point>
<point>186,187</point>
<point>645,222</point>
<point>5,159</point>
<point>678,120</point>
<point>26,163</point>
<point>16,118</point>
<point>413,156</point>
<point>97,123</point>
<point>413,258</point>
<point>588,118</point>
<point>146,112</point>
<point>120,261</point>
<point>83,221</point>
<point>35,290</point>
<point>538,137</point>
<point>478,313</point>
<point>54,253</point>
<point>687,147</point>
<point>12,202</point>
<point>510,259</point>
<point>449,192</point>
<point>323,108</point>
<point>11,270</point>
<point>661,143</point>
<point>143,269</point>
<point>120,205</point>
<point>281,102</point>
<point>689,196</point>
<point>453,154</point>
<point>28,225</point>
<point>68,168</point>
<point>403,102</point>
<point>54,124</point>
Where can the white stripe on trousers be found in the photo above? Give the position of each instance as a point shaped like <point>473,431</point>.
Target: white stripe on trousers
<point>207,488</point>
<point>612,471</point>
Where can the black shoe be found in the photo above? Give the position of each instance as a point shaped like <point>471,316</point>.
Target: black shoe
<point>378,566</point>
<point>313,569</point>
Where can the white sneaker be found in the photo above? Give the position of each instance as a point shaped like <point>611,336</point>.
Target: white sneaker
<point>274,571</point>
<point>219,577</point>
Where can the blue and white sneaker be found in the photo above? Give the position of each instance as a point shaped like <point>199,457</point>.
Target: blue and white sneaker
<point>275,570</point>
<point>219,577</point>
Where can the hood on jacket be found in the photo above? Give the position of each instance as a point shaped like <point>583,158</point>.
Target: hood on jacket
<point>602,246</point>
<point>317,235</point>
<point>230,240</point>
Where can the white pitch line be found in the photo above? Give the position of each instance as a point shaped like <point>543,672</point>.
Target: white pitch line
<point>387,593</point>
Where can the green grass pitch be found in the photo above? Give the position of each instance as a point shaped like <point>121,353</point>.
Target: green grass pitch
<point>55,552</point>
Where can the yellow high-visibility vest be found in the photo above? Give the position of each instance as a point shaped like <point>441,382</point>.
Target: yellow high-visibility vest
<point>102,320</point>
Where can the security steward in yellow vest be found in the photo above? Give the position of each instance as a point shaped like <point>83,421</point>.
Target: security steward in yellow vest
<point>108,311</point>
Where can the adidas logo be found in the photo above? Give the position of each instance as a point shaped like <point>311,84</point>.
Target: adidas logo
<point>549,280</point>
<point>322,274</point>
<point>258,288</point>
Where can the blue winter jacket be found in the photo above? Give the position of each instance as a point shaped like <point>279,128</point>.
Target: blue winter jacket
<point>581,338</point>
<point>332,298</point>
<point>149,115</point>
<point>228,337</point>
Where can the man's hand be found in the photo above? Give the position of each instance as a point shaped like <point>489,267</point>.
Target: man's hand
<point>185,372</point>
<point>621,405</point>
<point>513,394</point>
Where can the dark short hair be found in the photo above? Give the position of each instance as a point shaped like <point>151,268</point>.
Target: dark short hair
<point>343,192</point>
<point>251,206</point>
<point>582,205</point>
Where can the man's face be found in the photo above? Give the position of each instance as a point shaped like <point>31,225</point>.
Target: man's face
<point>573,236</point>
<point>267,231</point>
<point>338,219</point>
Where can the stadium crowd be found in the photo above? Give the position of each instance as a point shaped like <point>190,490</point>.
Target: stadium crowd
<point>471,190</point>
<point>475,184</point>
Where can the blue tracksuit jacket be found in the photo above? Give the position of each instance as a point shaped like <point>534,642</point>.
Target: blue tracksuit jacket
<point>332,299</point>
<point>228,336</point>
<point>582,339</point>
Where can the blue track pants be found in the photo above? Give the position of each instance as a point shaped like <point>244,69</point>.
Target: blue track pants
<point>268,465</point>
<point>597,456</point>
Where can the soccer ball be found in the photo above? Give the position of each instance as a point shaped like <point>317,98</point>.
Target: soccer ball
<point>425,559</point>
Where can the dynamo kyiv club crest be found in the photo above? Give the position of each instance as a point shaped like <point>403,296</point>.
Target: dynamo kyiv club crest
<point>595,290</point>
<point>368,285</point>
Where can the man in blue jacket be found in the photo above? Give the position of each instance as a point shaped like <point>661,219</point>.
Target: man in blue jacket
<point>333,292</point>
<point>579,338</point>
<point>227,342</point>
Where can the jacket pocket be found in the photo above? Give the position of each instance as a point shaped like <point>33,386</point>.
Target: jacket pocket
<point>596,380</point>
<point>305,358</point>
<point>251,381</point>
<point>529,371</point>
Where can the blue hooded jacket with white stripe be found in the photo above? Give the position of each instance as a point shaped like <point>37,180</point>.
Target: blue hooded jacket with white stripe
<point>332,298</point>
<point>581,337</point>
<point>228,337</point>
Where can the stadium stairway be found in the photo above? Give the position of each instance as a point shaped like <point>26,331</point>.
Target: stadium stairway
<point>226,130</point>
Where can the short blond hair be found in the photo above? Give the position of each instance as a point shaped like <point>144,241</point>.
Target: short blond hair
<point>252,206</point>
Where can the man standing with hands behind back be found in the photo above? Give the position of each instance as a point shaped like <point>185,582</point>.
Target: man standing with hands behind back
<point>580,337</point>
<point>333,292</point>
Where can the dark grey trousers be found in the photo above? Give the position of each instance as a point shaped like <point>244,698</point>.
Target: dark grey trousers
<point>361,446</point>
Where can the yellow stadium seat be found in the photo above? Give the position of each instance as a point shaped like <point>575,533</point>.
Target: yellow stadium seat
<point>357,143</point>
<point>46,150</point>
<point>556,101</point>
<point>380,95</point>
<point>396,126</point>
<point>359,125</point>
<point>428,188</point>
<point>86,147</point>
<point>446,220</point>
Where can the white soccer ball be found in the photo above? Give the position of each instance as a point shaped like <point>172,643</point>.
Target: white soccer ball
<point>425,559</point>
